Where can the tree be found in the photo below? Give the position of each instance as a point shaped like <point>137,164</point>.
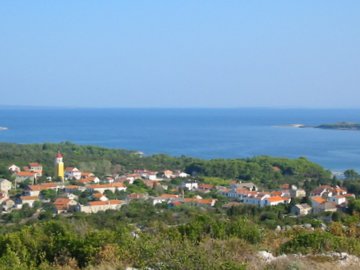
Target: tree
<point>48,194</point>
<point>351,174</point>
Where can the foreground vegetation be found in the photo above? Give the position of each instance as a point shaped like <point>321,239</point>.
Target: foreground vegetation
<point>144,236</point>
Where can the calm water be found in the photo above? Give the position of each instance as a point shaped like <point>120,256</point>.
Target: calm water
<point>205,133</point>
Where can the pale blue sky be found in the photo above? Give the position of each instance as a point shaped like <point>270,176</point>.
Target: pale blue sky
<point>180,53</point>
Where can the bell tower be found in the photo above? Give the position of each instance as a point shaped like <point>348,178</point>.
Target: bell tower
<point>59,166</point>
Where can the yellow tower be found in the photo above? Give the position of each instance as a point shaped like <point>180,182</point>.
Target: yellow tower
<point>59,166</point>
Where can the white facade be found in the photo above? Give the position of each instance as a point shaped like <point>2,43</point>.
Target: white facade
<point>5,185</point>
<point>190,185</point>
<point>73,173</point>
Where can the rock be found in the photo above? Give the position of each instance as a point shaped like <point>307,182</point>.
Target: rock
<point>266,256</point>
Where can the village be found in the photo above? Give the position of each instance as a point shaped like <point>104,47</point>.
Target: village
<point>80,191</point>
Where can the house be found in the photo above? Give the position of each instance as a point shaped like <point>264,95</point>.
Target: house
<point>276,200</point>
<point>63,205</point>
<point>302,209</point>
<point>14,169</point>
<point>338,199</point>
<point>132,177</point>
<point>328,191</point>
<point>36,168</point>
<point>205,187</point>
<point>34,190</point>
<point>257,199</point>
<point>5,185</point>
<point>199,202</point>
<point>297,193</point>
<point>99,197</point>
<point>96,206</point>
<point>319,204</point>
<point>73,188</point>
<point>24,176</point>
<point>238,193</point>
<point>151,176</point>
<point>8,205</point>
<point>3,197</point>
<point>150,183</point>
<point>316,201</point>
<point>169,174</point>
<point>325,207</point>
<point>109,179</point>
<point>102,187</point>
<point>190,185</point>
<point>181,174</point>
<point>249,186</point>
<point>89,180</point>
<point>72,173</point>
<point>87,174</point>
<point>26,200</point>
<point>165,198</point>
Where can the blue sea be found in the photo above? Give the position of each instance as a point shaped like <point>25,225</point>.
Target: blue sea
<point>203,133</point>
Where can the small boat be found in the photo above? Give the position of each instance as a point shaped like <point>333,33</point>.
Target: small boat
<point>3,128</point>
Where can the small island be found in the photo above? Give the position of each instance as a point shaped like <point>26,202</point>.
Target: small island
<point>336,126</point>
<point>340,126</point>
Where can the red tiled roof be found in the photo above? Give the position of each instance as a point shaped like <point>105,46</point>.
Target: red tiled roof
<point>97,195</point>
<point>206,186</point>
<point>29,198</point>
<point>43,186</point>
<point>35,164</point>
<point>117,184</point>
<point>318,199</point>
<point>136,196</point>
<point>72,187</point>
<point>26,174</point>
<point>62,201</point>
<point>95,203</point>
<point>169,196</point>
<point>276,199</point>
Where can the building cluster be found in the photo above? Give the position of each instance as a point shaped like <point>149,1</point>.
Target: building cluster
<point>74,183</point>
<point>67,194</point>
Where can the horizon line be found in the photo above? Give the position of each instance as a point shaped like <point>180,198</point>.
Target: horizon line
<point>175,108</point>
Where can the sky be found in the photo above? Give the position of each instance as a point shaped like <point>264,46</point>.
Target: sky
<point>179,54</point>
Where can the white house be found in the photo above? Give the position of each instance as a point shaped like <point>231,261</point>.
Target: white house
<point>301,209</point>
<point>182,175</point>
<point>14,169</point>
<point>26,200</point>
<point>165,198</point>
<point>276,200</point>
<point>72,173</point>
<point>8,205</point>
<point>5,185</point>
<point>338,200</point>
<point>168,174</point>
<point>190,185</point>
